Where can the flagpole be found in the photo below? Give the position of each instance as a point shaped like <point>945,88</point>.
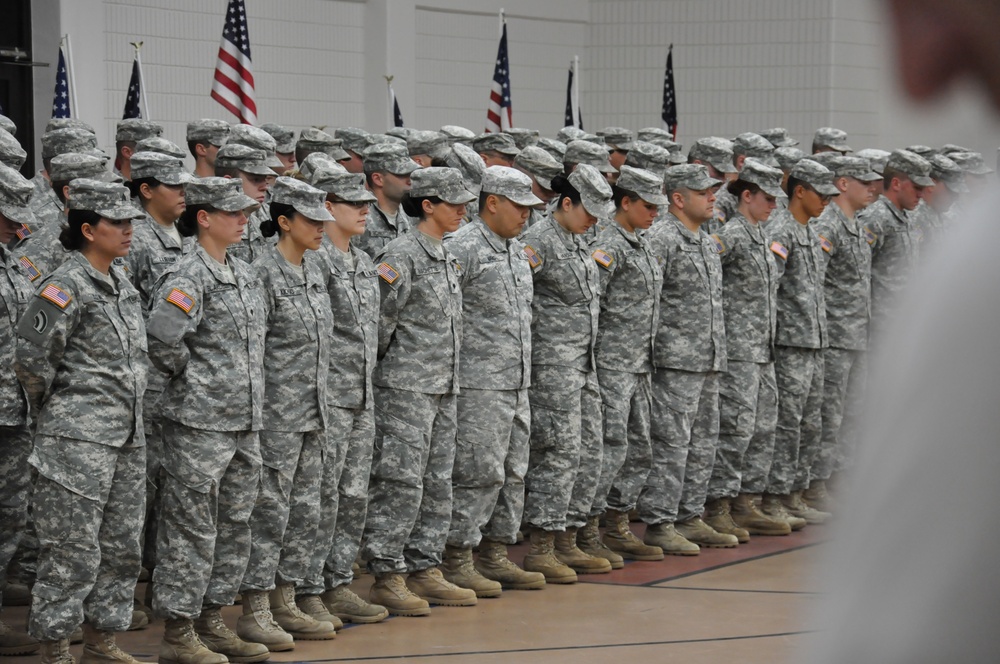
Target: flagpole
<point>576,91</point>
<point>142,81</point>
<point>72,77</point>
<point>388,93</point>
<point>503,20</point>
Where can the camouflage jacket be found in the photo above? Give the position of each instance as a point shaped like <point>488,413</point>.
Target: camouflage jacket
<point>801,303</point>
<point>15,293</point>
<point>749,290</point>
<point>691,334</point>
<point>43,248</point>
<point>206,330</point>
<point>253,245</point>
<point>894,254</point>
<point>82,354</point>
<point>380,230</point>
<point>496,309</point>
<point>420,316</point>
<point>630,285</point>
<point>297,341</point>
<point>152,253</point>
<point>567,300</point>
<point>45,205</point>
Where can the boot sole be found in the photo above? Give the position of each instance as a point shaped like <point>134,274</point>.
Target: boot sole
<point>449,602</point>
<point>563,580</point>
<point>768,533</point>
<point>640,556</point>
<point>603,570</point>
<point>255,658</point>
<point>717,546</point>
<point>20,650</point>
<point>362,620</point>
<point>322,636</point>
<point>409,613</point>
<point>681,553</point>
<point>489,594</point>
<point>534,585</point>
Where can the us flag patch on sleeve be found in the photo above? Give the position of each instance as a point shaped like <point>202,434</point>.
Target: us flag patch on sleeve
<point>181,300</point>
<point>56,296</point>
<point>780,250</point>
<point>387,272</point>
<point>22,232</point>
<point>534,260</point>
<point>29,268</point>
<point>870,237</point>
<point>720,246</point>
<point>602,258</point>
<point>825,244</point>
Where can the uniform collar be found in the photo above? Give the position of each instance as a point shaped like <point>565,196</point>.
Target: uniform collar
<point>101,280</point>
<point>218,271</point>
<point>434,250</point>
<point>498,244</point>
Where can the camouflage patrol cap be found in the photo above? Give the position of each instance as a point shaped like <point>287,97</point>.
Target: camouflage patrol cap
<point>523,137</point>
<point>7,124</point>
<point>456,134</point>
<point>208,130</point>
<point>570,133</point>
<point>648,156</point>
<point>162,167</point>
<point>386,138</point>
<point>442,182</point>
<point>971,162</point>
<point>716,151</point>
<point>585,152</point>
<point>754,145</point>
<point>15,196</point>
<point>945,170</point>
<point>161,145</point>
<point>948,148</point>
<point>398,132</point>
<point>469,163</point>
<point>924,151</point>
<point>833,138</point>
<point>511,184</point>
<point>345,186</point>
<point>827,159</point>
<point>650,134</point>
<point>72,165</point>
<point>284,138</point>
<point>816,175</point>
<point>424,141</point>
<point>595,192</point>
<point>539,164</point>
<point>389,158</point>
<point>136,129</point>
<point>224,194</point>
<point>502,143</point>
<point>317,140</point>
<point>354,139</point>
<point>66,123</point>
<point>307,200</point>
<point>688,176</point>
<point>618,138</point>
<point>111,200</point>
<point>592,138</point>
<point>244,158</point>
<point>788,157</point>
<point>876,158</point>
<point>555,148</point>
<point>853,166</point>
<point>646,184</point>
<point>11,152</point>
<point>779,138</point>
<point>674,152</point>
<point>69,139</point>
<point>767,177</point>
<point>258,139</point>
<point>315,162</point>
<point>912,166</point>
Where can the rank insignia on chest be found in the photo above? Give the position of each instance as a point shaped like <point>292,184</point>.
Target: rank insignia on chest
<point>181,300</point>
<point>779,250</point>
<point>826,245</point>
<point>22,232</point>
<point>869,236</point>
<point>29,268</point>
<point>387,272</point>
<point>602,258</point>
<point>919,233</point>
<point>534,260</point>
<point>718,244</point>
<point>56,296</point>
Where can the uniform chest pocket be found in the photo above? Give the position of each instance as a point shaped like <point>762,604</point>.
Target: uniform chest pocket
<point>101,329</point>
<point>368,295</point>
<point>433,279</point>
<point>164,260</point>
<point>292,311</point>
<point>224,311</point>
<point>568,278</point>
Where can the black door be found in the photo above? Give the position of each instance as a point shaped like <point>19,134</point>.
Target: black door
<point>16,74</point>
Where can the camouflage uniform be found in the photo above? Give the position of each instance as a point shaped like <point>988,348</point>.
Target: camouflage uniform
<point>493,414</point>
<point>380,230</point>
<point>253,245</point>
<point>82,364</point>
<point>45,205</point>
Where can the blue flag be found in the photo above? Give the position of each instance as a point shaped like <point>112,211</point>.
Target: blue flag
<point>132,109</point>
<point>60,101</point>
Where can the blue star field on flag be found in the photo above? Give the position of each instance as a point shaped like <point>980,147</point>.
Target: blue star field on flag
<point>669,111</point>
<point>132,109</point>
<point>60,101</point>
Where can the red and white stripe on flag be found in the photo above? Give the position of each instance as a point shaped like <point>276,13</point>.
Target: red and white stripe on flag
<point>499,114</point>
<point>233,86</point>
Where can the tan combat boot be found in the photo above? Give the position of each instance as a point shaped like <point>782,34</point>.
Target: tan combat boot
<point>431,585</point>
<point>697,531</point>
<point>619,538</point>
<point>772,506</point>
<point>391,591</point>
<point>588,539</point>
<point>15,643</point>
<point>672,543</point>
<point>99,647</point>
<point>458,569</point>
<point>344,604</point>
<point>257,625</point>
<point>313,605</point>
<point>541,558</point>
<point>746,513</point>
<point>798,507</point>
<point>56,652</point>
<point>493,563</point>
<point>817,496</point>
<point>16,593</point>
<point>719,518</point>
<point>293,620</point>
<point>217,636</point>
<point>569,553</point>
<point>181,645</point>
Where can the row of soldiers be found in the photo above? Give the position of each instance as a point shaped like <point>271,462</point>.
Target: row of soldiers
<point>416,344</point>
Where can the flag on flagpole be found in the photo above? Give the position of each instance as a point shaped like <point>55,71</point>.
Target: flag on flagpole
<point>132,108</point>
<point>233,86</point>
<point>397,115</point>
<point>499,117</point>
<point>669,112</point>
<point>60,101</point>
<point>573,117</point>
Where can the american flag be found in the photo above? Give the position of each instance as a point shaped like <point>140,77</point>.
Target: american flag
<point>132,109</point>
<point>233,85</point>
<point>669,112</point>
<point>397,115</point>
<point>60,101</point>
<point>573,117</point>
<point>499,117</point>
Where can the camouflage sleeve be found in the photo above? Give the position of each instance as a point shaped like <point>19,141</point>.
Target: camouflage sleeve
<point>43,332</point>
<point>606,259</point>
<point>725,246</point>
<point>265,286</point>
<point>174,313</point>
<point>394,282</point>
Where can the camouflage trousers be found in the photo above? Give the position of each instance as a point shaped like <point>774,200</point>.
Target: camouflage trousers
<point>564,464</point>
<point>285,518</point>
<point>845,374</point>
<point>491,458</point>
<point>684,432</point>
<point>625,402</point>
<point>798,434</point>
<point>88,506</point>
<point>409,499</point>
<point>748,413</point>
<point>210,484</point>
<point>15,487</point>
<point>153,427</point>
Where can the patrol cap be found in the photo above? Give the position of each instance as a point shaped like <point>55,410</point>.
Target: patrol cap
<point>688,176</point>
<point>111,200</point>
<point>244,158</point>
<point>354,139</point>
<point>258,139</point>
<point>945,170</point>
<point>208,130</point>
<point>166,169</point>
<point>971,162</point>
<point>767,177</point>
<point>456,134</point>
<point>948,148</point>
<point>539,164</point>
<point>827,159</point>
<point>502,143</point>
<point>136,129</point>
<point>754,145</point>
<point>317,140</point>
<point>876,158</point>
<point>345,186</point>
<point>924,151</point>
<point>816,175</point>
<point>390,158</point>
<point>11,152</point>
<point>595,192</point>
<point>833,138</point>
<point>72,165</point>
<point>555,148</point>
<point>315,162</point>
<point>307,200</point>
<point>284,138</point>
<point>787,157</point>
<point>648,156</point>
<point>69,139</point>
<point>585,152</point>
<point>716,151</point>
<point>431,143</point>
<point>522,137</point>
<point>15,195</point>
<point>7,124</point>
<point>442,182</point>
<point>779,138</point>
<point>64,123</point>
<point>386,138</point>
<point>161,145</point>
<point>912,166</point>
<point>650,133</point>
<point>853,166</point>
<point>646,184</point>
<point>224,194</point>
<point>592,138</point>
<point>618,138</point>
<point>398,132</point>
<point>570,133</point>
<point>509,183</point>
<point>469,164</point>
<point>674,154</point>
